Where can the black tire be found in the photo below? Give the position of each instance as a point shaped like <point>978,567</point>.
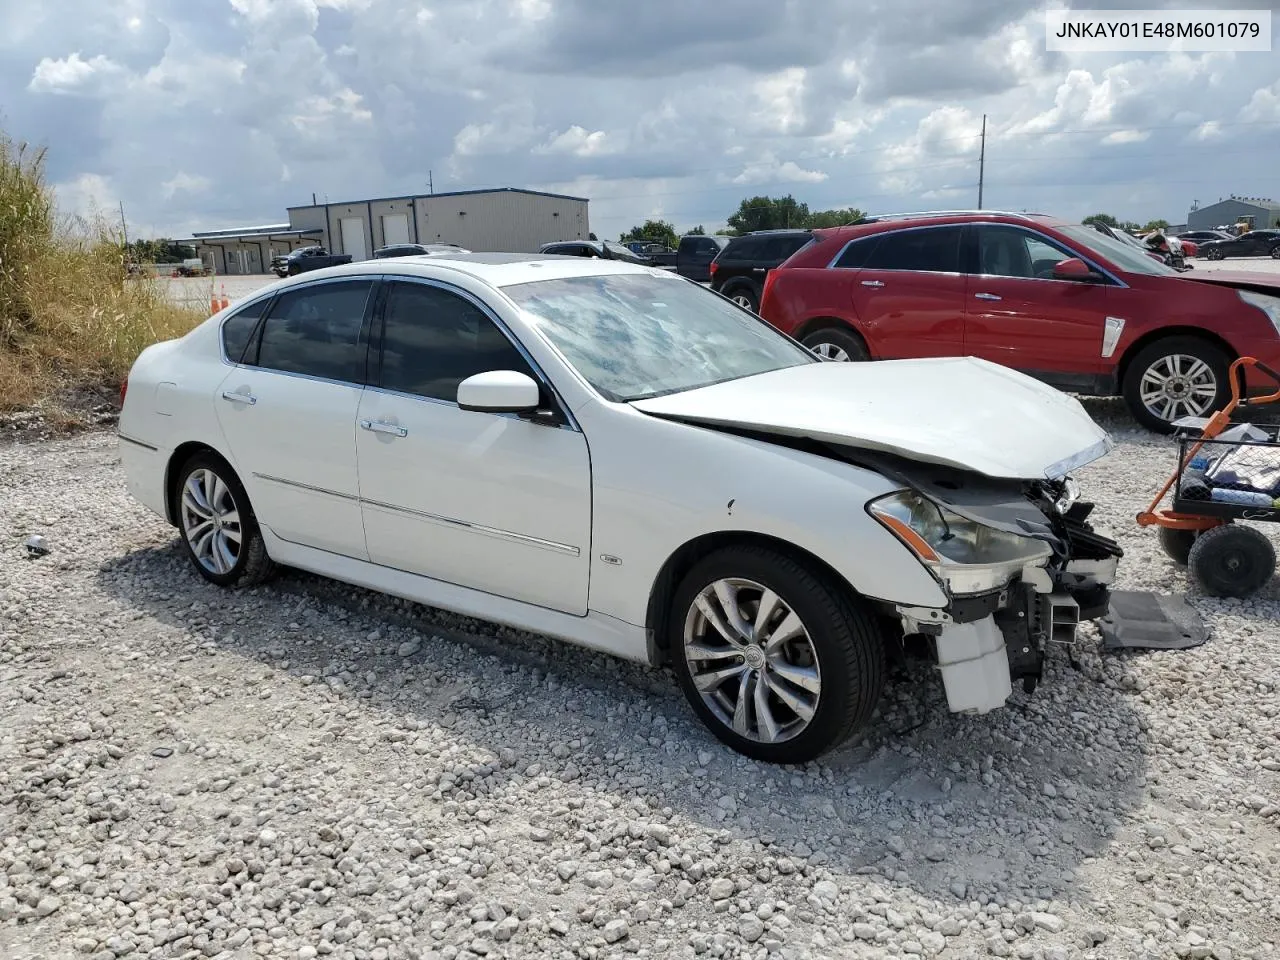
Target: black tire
<point>1214,254</point>
<point>744,293</point>
<point>1177,544</point>
<point>844,638</point>
<point>1275,252</point>
<point>1232,560</point>
<point>251,564</point>
<point>839,344</point>
<point>1152,356</point>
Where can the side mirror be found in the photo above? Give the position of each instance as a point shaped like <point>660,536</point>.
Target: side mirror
<point>1073,268</point>
<point>499,391</point>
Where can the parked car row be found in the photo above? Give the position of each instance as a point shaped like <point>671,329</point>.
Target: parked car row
<point>692,258</point>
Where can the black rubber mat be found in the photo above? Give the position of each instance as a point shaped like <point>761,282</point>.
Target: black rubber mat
<point>1139,620</point>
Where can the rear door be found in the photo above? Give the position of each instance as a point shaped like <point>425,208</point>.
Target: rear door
<point>1018,315</point>
<point>288,410</point>
<point>908,291</point>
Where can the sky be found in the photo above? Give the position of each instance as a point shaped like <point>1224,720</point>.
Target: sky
<point>221,113</point>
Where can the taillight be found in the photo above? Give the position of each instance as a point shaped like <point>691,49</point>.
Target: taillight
<point>124,388</point>
<point>713,268</point>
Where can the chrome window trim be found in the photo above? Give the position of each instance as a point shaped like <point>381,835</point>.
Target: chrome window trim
<point>540,374</point>
<point>831,265</point>
<point>479,528</point>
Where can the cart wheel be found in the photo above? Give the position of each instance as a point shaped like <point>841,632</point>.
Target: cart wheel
<point>1177,544</point>
<point>1232,560</point>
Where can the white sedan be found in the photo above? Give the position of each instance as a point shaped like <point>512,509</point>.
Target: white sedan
<point>616,456</point>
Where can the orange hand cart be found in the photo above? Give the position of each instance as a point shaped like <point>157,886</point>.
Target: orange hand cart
<point>1199,527</point>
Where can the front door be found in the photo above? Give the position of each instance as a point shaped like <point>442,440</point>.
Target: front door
<point>908,291</point>
<point>482,500</point>
<point>288,413</point>
<point>352,229</point>
<point>1018,315</point>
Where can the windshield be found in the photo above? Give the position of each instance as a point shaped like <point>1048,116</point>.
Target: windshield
<point>633,336</point>
<point>1125,256</point>
<point>620,250</point>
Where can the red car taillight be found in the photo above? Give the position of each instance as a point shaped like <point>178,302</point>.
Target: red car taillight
<point>124,388</point>
<point>713,268</point>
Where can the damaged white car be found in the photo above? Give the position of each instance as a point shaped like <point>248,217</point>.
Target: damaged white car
<point>613,455</point>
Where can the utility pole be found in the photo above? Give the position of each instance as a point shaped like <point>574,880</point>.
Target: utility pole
<point>431,184</point>
<point>123,228</point>
<point>313,198</point>
<point>982,160</point>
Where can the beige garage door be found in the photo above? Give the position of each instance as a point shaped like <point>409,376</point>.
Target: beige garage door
<point>395,228</point>
<point>353,237</point>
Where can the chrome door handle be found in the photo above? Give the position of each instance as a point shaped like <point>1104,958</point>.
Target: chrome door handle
<point>381,426</point>
<point>873,283</point>
<point>986,296</point>
<point>248,398</point>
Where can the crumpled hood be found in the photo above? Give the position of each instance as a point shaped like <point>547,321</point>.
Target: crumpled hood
<point>959,411</point>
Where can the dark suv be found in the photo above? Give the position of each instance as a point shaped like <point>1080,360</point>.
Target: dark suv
<point>739,271</point>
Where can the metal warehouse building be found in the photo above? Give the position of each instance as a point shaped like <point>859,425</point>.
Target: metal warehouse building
<point>505,219</point>
<point>1265,213</point>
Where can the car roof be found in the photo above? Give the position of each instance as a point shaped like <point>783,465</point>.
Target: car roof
<point>493,269</point>
<point>876,223</point>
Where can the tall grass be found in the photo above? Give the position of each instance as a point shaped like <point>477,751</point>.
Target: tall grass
<point>69,318</point>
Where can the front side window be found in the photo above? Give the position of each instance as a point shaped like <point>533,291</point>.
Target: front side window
<point>1134,259</point>
<point>934,249</point>
<point>433,339</point>
<point>1012,252</point>
<point>315,331</point>
<point>237,330</point>
<point>633,336</point>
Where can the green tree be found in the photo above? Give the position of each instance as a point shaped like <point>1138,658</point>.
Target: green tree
<point>1156,225</point>
<point>653,231</point>
<point>769,213</point>
<point>1104,218</point>
<point>695,231</point>
<point>834,218</point>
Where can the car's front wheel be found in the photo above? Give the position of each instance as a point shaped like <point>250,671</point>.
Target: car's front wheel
<point>836,344</point>
<point>1174,378</point>
<point>1275,252</point>
<point>778,659</point>
<point>218,525</point>
<point>1214,254</point>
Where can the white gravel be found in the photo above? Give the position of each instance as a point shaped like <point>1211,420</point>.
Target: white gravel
<point>312,770</point>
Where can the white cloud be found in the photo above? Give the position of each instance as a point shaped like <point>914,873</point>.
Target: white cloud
<point>771,171</point>
<point>88,195</point>
<point>1263,106</point>
<point>184,183</point>
<point>1126,136</point>
<point>73,74</point>
<point>580,142</point>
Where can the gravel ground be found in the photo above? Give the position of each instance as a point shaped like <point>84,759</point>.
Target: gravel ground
<point>309,769</point>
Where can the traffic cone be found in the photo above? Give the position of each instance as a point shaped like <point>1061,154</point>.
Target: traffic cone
<point>214,304</point>
<point>224,301</point>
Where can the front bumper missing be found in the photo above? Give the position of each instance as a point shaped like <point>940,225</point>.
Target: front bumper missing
<point>985,642</point>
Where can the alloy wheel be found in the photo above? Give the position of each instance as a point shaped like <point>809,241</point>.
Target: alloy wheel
<point>742,300</point>
<point>1178,385</point>
<point>752,661</point>
<point>830,351</point>
<point>211,521</point>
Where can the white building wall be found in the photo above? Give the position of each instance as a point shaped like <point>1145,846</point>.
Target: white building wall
<point>501,221</point>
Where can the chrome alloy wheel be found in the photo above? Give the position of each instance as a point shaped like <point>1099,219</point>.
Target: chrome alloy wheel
<point>211,521</point>
<point>742,300</point>
<point>829,351</point>
<point>1178,385</point>
<point>752,660</point>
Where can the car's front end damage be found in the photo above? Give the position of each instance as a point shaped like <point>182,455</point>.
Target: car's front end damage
<point>1019,561</point>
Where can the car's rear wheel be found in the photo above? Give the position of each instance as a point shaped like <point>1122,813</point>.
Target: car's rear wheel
<point>218,525</point>
<point>1275,252</point>
<point>1214,254</point>
<point>779,660</point>
<point>1173,378</point>
<point>744,295</point>
<point>833,343</point>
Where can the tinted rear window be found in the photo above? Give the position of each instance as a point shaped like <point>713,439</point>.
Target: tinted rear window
<point>238,329</point>
<point>935,249</point>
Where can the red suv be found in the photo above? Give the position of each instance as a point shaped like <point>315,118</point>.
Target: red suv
<point>1058,301</point>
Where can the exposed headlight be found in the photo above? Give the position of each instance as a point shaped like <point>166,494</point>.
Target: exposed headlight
<point>1266,303</point>
<point>970,557</point>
